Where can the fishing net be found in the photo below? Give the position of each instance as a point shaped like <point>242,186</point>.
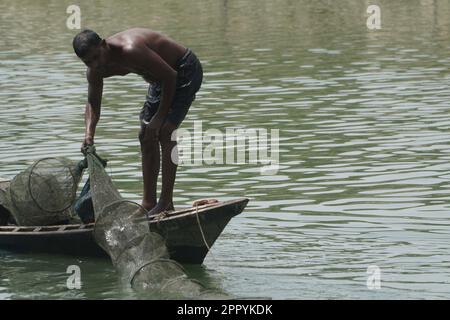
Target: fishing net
<point>43,194</point>
<point>139,255</point>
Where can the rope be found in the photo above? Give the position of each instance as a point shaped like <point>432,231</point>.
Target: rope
<point>201,229</point>
<point>217,267</point>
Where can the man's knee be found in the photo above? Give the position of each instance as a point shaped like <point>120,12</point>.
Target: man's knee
<point>165,134</point>
<point>147,139</point>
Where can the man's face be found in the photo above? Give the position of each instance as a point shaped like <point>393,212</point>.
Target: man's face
<point>95,59</point>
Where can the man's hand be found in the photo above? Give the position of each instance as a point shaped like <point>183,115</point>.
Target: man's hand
<point>152,129</point>
<point>88,141</point>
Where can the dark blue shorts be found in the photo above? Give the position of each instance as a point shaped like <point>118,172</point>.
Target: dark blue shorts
<point>189,80</point>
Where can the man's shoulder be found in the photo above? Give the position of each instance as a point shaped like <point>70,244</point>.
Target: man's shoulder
<point>126,43</point>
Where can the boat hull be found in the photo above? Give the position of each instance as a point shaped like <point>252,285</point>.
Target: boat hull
<point>181,229</point>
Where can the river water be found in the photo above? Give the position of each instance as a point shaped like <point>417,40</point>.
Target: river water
<point>363,124</point>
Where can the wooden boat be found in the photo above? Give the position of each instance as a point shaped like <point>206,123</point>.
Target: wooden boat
<point>189,233</point>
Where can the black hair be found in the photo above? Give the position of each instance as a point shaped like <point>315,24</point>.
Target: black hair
<point>84,41</point>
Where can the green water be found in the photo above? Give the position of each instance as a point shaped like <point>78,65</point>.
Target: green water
<point>364,131</point>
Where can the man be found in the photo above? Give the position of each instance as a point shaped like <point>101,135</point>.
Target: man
<point>175,75</point>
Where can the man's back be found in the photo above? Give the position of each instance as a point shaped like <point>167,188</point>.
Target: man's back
<point>163,46</point>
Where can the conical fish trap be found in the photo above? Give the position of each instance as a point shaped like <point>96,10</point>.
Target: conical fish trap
<point>44,193</point>
<point>139,255</point>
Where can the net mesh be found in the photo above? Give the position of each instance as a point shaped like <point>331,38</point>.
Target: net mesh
<point>43,194</point>
<point>139,255</point>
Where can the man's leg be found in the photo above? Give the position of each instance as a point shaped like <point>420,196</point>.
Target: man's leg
<point>192,76</point>
<point>169,169</point>
<point>150,166</point>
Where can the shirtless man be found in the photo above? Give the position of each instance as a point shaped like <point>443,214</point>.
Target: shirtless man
<point>175,75</point>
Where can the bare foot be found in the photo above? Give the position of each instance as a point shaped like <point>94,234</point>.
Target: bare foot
<point>160,207</point>
<point>148,206</point>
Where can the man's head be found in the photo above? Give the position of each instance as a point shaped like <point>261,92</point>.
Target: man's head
<point>90,48</point>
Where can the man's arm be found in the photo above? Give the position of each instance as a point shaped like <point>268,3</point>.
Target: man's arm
<point>146,60</point>
<point>93,105</point>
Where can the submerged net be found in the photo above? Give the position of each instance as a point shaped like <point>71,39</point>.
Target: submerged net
<point>43,194</point>
<point>139,255</point>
